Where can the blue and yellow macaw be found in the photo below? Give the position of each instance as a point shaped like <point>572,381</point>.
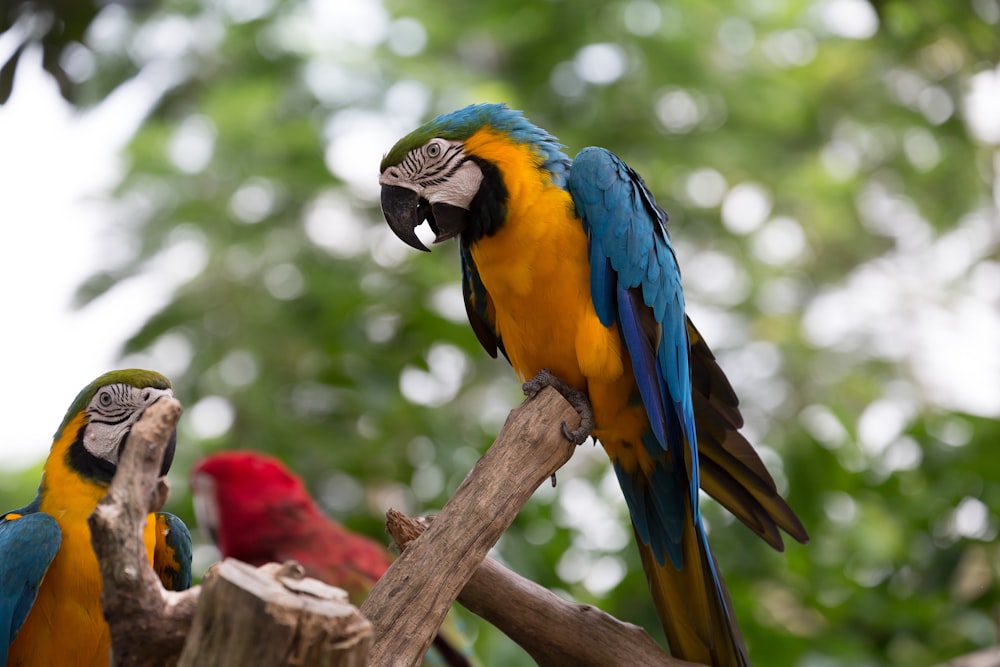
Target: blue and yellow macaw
<point>50,582</point>
<point>567,266</point>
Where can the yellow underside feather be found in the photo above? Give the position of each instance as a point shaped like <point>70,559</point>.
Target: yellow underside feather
<point>544,311</point>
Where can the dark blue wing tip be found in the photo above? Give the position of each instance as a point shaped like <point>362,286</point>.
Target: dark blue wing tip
<point>172,559</point>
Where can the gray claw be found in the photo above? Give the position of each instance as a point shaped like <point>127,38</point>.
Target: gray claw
<point>574,396</point>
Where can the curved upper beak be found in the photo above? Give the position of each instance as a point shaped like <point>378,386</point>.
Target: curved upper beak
<point>168,454</point>
<point>152,396</point>
<point>401,208</point>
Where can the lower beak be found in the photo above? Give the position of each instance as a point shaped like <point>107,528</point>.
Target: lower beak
<point>400,206</point>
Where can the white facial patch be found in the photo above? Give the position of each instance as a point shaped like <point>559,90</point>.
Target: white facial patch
<point>459,189</point>
<point>112,412</point>
<point>439,171</point>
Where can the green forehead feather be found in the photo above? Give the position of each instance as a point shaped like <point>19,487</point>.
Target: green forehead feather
<point>457,126</point>
<point>419,137</point>
<point>461,124</point>
<point>135,377</point>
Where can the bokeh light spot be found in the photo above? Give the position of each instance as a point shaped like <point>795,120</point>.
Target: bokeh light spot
<point>600,64</point>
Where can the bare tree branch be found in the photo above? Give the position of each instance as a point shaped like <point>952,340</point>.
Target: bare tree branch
<point>553,631</point>
<point>148,624</point>
<point>409,602</point>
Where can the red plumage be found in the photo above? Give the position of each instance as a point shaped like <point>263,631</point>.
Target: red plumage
<point>258,511</point>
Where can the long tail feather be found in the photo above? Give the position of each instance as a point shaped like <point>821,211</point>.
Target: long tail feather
<point>689,594</point>
<point>731,469</point>
<point>694,606</point>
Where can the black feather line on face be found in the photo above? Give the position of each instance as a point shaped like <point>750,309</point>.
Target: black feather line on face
<point>89,467</point>
<point>488,209</point>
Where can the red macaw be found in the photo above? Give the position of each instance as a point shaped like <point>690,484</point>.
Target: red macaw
<point>258,511</point>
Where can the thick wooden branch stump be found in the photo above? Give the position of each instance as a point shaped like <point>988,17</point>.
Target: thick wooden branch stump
<point>148,624</point>
<point>553,631</point>
<point>273,616</point>
<point>409,602</point>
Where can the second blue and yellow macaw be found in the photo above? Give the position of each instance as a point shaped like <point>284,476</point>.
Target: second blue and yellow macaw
<point>567,266</point>
<point>50,581</point>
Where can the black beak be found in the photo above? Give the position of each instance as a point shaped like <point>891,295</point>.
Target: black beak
<point>401,208</point>
<point>404,210</point>
<point>168,454</point>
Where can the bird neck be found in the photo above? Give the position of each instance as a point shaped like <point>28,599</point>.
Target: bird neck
<point>70,498</point>
<point>64,493</point>
<point>539,217</point>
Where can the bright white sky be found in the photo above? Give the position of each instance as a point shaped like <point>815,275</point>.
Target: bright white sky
<point>55,165</point>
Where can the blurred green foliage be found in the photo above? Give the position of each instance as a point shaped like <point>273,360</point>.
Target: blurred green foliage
<point>809,154</point>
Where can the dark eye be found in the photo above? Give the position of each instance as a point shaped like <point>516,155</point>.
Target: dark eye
<point>433,150</point>
<point>105,398</point>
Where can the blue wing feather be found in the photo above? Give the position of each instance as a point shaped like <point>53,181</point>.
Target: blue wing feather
<point>172,555</point>
<point>602,286</point>
<point>27,546</point>
<point>635,283</point>
<point>626,227</point>
<point>651,385</point>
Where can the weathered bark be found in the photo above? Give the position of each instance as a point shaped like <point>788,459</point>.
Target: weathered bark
<point>148,624</point>
<point>272,617</point>
<point>553,631</point>
<point>409,602</point>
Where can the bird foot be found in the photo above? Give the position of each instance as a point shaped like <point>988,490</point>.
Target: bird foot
<point>575,397</point>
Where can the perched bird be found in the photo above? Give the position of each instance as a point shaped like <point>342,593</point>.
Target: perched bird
<point>50,582</point>
<point>567,267</point>
<point>257,511</point>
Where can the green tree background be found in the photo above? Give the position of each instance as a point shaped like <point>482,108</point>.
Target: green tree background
<point>833,203</point>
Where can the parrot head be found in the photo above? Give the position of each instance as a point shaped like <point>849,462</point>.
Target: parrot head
<point>239,496</point>
<point>105,411</point>
<point>442,172</point>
